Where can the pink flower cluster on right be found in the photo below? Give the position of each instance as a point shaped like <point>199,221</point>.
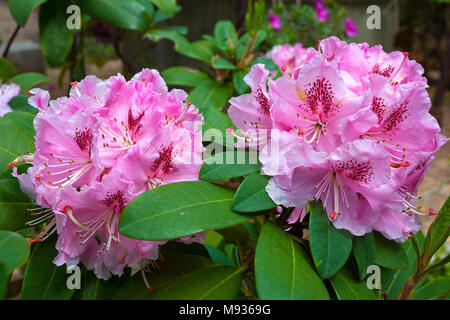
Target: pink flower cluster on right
<point>349,124</point>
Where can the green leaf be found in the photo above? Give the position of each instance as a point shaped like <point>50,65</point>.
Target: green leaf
<point>239,83</point>
<point>14,250</point>
<point>13,206</point>
<point>237,234</point>
<point>210,93</point>
<point>229,164</point>
<point>203,50</point>
<point>20,103</point>
<point>54,36</point>
<point>7,70</point>
<point>348,288</point>
<point>439,230</point>
<point>251,196</point>
<point>215,125</point>
<point>16,138</point>
<point>365,252</point>
<point>267,62</point>
<point>393,280</point>
<point>390,254</point>
<point>129,14</point>
<point>184,76</point>
<point>221,63</point>
<point>93,288</point>
<point>185,277</point>
<point>21,9</point>
<point>28,80</point>
<point>283,270</point>
<point>225,35</point>
<point>4,279</point>
<point>175,248</point>
<point>183,208</point>
<point>438,287</point>
<point>330,247</point>
<point>43,280</point>
<point>217,256</point>
<point>171,270</point>
<point>169,7</point>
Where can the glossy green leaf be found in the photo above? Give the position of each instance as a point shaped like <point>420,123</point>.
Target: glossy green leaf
<point>225,35</point>
<point>175,248</point>
<point>54,36</point>
<point>7,70</point>
<point>217,256</point>
<point>169,7</point>
<point>14,250</point>
<point>221,63</point>
<point>393,280</point>
<point>210,93</point>
<point>229,164</point>
<point>20,103</point>
<point>237,234</point>
<point>390,254</point>
<point>239,83</point>
<point>268,63</point>
<point>215,127</point>
<point>13,206</point>
<point>21,9</point>
<point>330,247</point>
<point>17,137</point>
<point>251,196</point>
<point>283,270</point>
<point>93,288</point>
<point>183,208</point>
<point>203,50</point>
<point>43,280</point>
<point>4,279</point>
<point>129,14</point>
<point>347,287</point>
<point>436,288</point>
<point>185,277</point>
<point>439,230</point>
<point>365,252</point>
<point>184,76</point>
<point>28,80</point>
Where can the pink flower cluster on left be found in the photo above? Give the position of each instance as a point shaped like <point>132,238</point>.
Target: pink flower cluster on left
<point>98,149</point>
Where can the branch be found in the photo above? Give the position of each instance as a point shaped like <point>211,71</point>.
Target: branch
<point>10,41</point>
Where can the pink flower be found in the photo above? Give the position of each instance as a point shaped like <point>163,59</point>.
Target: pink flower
<point>345,181</point>
<point>274,21</point>
<point>98,149</point>
<point>7,92</point>
<point>321,12</point>
<point>288,57</point>
<point>349,125</point>
<point>351,28</point>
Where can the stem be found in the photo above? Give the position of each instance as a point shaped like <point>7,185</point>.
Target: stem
<point>241,64</point>
<point>413,281</point>
<point>10,41</point>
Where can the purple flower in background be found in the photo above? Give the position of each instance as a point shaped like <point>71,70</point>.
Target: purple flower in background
<point>351,28</point>
<point>321,12</point>
<point>274,21</point>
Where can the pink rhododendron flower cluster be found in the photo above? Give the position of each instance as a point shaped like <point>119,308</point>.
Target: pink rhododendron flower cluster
<point>7,92</point>
<point>99,148</point>
<point>349,125</point>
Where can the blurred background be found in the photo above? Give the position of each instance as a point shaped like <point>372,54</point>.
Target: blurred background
<point>420,27</point>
